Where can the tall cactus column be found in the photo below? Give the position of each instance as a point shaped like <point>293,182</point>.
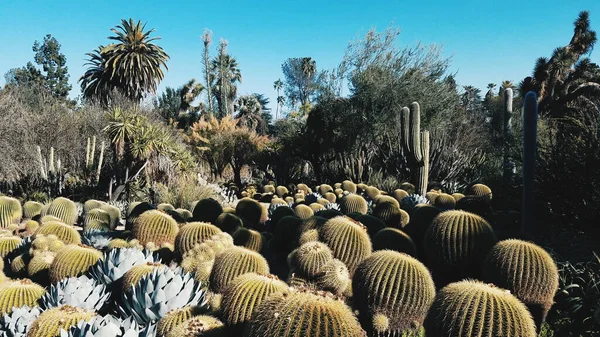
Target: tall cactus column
<point>507,136</point>
<point>530,116</point>
<point>416,145</point>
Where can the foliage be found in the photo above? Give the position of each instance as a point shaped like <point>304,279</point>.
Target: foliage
<point>188,188</point>
<point>302,80</point>
<point>226,74</point>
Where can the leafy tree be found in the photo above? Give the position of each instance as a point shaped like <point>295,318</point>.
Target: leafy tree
<point>133,65</point>
<point>249,113</point>
<point>266,111</point>
<point>226,74</point>
<point>175,105</point>
<point>54,74</point>
<point>302,80</point>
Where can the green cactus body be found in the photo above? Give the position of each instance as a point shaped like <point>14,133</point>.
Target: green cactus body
<point>207,210</point>
<point>349,186</point>
<point>136,273</point>
<point>474,309</point>
<point>480,190</point>
<point>302,313</point>
<point>431,196</point>
<point>310,235</point>
<point>372,192</point>
<point>391,215</point>
<point>15,294</point>
<point>73,261</point>
<point>192,234</point>
<point>287,234</point>
<point>381,199</point>
<point>94,204</point>
<point>38,268</point>
<point>18,266</point>
<point>50,322</point>
<point>200,326</point>
<point>303,212</point>
<point>184,213</point>
<point>114,215</point>
<point>248,238</point>
<point>165,207</point>
<point>396,240</point>
<point>354,203</point>
<point>64,232</point>
<point>174,319</point>
<point>315,207</point>
<point>311,257</point>
<point>333,277</point>
<point>155,226</point>
<point>281,191</point>
<point>372,223</point>
<point>8,244</point>
<point>251,212</point>
<point>348,240</point>
<point>243,295</point>
<point>228,222</point>
<point>10,211</point>
<point>64,209</point>
<point>32,209</point>
<point>235,262</point>
<point>528,271</point>
<point>400,194</point>
<point>456,244</point>
<point>100,217</point>
<point>445,202</point>
<point>457,196</point>
<point>420,221</point>
<point>393,287</point>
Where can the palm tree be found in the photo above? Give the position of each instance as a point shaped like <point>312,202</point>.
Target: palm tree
<point>188,93</point>
<point>133,64</point>
<point>227,74</point>
<point>490,92</point>
<point>280,102</point>
<point>565,78</point>
<point>277,85</point>
<point>250,111</point>
<point>95,82</point>
<point>309,68</point>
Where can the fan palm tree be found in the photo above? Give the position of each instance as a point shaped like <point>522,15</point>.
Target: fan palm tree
<point>565,78</point>
<point>133,64</point>
<point>226,74</point>
<point>277,85</point>
<point>250,113</point>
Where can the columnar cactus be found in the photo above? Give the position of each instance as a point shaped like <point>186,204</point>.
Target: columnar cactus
<point>243,295</point>
<point>10,211</point>
<point>348,240</point>
<point>15,294</point>
<point>530,117</point>
<point>155,226</point>
<point>64,209</point>
<point>456,244</point>
<point>416,145</point>
<point>302,313</point>
<point>528,271</point>
<point>72,261</point>
<point>474,309</point>
<point>392,293</point>
<point>354,203</point>
<point>193,233</point>
<point>235,262</point>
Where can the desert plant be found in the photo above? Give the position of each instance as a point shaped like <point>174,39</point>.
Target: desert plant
<point>193,233</point>
<point>354,203</point>
<point>394,239</point>
<point>348,241</point>
<point>155,226</point>
<point>50,322</point>
<point>17,293</point>
<point>10,211</point>
<point>17,323</point>
<point>64,209</point>
<point>81,292</point>
<point>72,261</point>
<point>235,262</point>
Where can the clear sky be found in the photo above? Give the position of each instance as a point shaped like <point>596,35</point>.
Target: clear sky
<point>489,41</point>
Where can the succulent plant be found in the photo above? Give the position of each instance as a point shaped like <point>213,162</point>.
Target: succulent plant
<point>456,244</point>
<point>333,277</point>
<point>10,211</point>
<point>199,326</point>
<point>81,292</point>
<point>32,209</point>
<point>175,318</point>
<point>207,210</point>
<point>287,234</point>
<point>193,233</point>
<point>98,218</point>
<point>66,233</point>
<point>184,213</point>
<point>311,257</point>
<point>38,268</point>
<point>391,214</point>
<point>445,202</point>
<point>354,203</point>
<point>105,326</point>
<point>249,238</point>
<point>480,190</point>
<point>457,196</point>
<point>159,292</point>
<point>278,213</point>
<point>134,210</point>
<point>400,194</point>
<point>349,186</point>
<point>312,314</point>
<point>98,239</point>
<point>303,211</point>
<point>234,262</point>
<point>165,207</point>
<point>155,226</point>
<point>243,295</point>
<point>94,204</point>
<point>396,240</point>
<point>17,323</point>
<point>528,271</point>
<point>8,244</point>
<point>17,293</point>
<point>392,293</point>
<point>431,196</point>
<point>310,235</point>
<point>333,206</point>
<point>64,209</point>
<point>474,309</point>
<point>250,211</point>
<point>410,202</point>
<point>73,260</point>
<point>347,239</point>
<point>474,204</point>
<point>51,322</point>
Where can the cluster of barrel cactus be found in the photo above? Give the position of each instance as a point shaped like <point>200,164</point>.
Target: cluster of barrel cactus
<point>344,259</point>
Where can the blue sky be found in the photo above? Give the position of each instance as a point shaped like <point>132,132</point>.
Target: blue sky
<point>489,41</point>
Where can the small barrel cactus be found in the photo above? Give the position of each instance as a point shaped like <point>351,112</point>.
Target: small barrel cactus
<point>349,186</point>
<point>392,293</point>
<point>474,309</point>
<point>303,212</point>
<point>96,218</point>
<point>456,244</point>
<point>228,222</point>
<point>250,211</point>
<point>199,326</point>
<point>234,262</point>
<point>66,233</point>
<point>155,226</point>
<point>302,313</point>
<point>333,277</point>
<point>52,321</point>
<point>354,203</point>
<point>480,190</point>
<point>8,244</point>
<point>15,294</point>
<point>310,258</point>
<point>72,261</point>
<point>400,194</point>
<point>93,204</point>
<point>165,207</point>
<point>445,202</point>
<point>348,240</point>
<point>32,209</point>
<point>175,318</point>
<point>64,209</point>
<point>193,233</point>
<point>528,271</point>
<point>248,238</point>
<point>243,295</point>
<point>207,210</point>
<point>391,215</point>
<point>114,215</point>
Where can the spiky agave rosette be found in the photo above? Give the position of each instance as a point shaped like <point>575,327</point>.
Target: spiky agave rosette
<point>97,238</point>
<point>81,292</point>
<point>17,323</point>
<point>410,202</point>
<point>117,262</point>
<point>107,326</point>
<point>159,292</point>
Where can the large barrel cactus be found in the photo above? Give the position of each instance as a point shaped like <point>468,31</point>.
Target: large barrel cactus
<point>303,212</point>
<point>175,318</point>
<point>64,209</point>
<point>302,313</point>
<point>309,258</point>
<point>8,244</point>
<point>348,241</point>
<point>207,210</point>
<point>392,293</point>
<point>242,296</point>
<point>349,186</point>
<point>480,190</point>
<point>114,215</point>
<point>155,226</point>
<point>354,203</point>
<point>15,294</point>
<point>251,212</point>
<point>193,233</point>
<point>456,244</point>
<point>235,262</point>
<point>394,239</point>
<point>65,233</point>
<point>50,322</point>
<point>474,309</point>
<point>528,271</point>
<point>10,211</point>
<point>32,209</point>
<point>228,222</point>
<point>72,261</point>
<point>249,238</point>
<point>97,218</point>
